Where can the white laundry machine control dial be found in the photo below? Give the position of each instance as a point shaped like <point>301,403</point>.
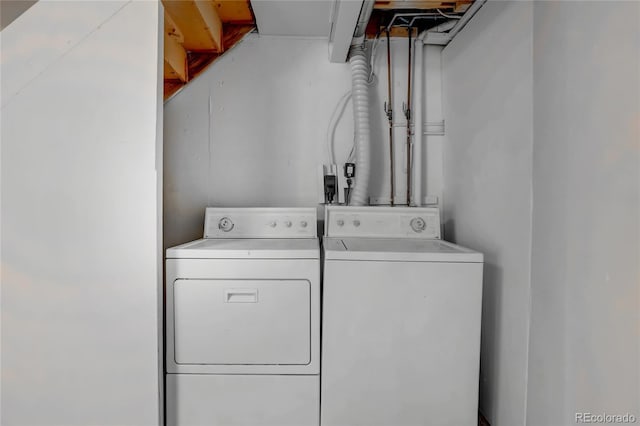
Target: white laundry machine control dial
<point>225,224</point>
<point>418,224</point>
<point>287,223</point>
<point>303,224</point>
<point>272,224</point>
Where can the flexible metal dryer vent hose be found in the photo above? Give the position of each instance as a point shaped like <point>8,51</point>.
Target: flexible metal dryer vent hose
<point>362,128</point>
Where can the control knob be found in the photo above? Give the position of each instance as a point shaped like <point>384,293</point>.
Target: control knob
<point>225,224</point>
<point>418,224</point>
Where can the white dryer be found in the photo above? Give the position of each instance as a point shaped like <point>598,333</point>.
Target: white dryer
<point>401,321</point>
<point>243,321</point>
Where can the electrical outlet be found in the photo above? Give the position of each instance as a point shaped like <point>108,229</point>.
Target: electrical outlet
<point>325,170</point>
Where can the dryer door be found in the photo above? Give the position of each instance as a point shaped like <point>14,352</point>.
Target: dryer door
<point>237,321</point>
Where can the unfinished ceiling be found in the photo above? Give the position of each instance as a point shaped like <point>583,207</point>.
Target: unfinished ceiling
<point>420,15</point>
<point>199,31</point>
<point>196,32</point>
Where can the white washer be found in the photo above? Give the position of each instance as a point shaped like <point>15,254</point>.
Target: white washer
<point>243,321</point>
<point>401,321</point>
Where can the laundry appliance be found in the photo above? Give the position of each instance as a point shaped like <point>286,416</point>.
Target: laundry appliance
<point>243,321</point>
<point>401,320</point>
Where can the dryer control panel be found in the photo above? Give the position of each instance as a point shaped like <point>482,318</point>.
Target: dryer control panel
<point>268,222</point>
<point>382,222</point>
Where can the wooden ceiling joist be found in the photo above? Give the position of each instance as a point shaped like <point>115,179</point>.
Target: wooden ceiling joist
<point>234,11</point>
<point>171,29</point>
<point>212,20</point>
<point>196,33</point>
<point>421,14</point>
<point>198,22</point>
<point>462,6</point>
<point>175,60</point>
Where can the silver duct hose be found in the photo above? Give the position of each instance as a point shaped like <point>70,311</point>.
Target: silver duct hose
<point>360,100</point>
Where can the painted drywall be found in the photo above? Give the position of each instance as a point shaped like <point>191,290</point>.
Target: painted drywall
<point>252,129</point>
<point>81,173</point>
<point>487,74</point>
<point>542,174</point>
<point>434,126</point>
<point>585,323</point>
<point>310,18</point>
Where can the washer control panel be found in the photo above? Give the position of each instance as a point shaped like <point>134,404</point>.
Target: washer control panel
<point>382,222</point>
<point>265,222</point>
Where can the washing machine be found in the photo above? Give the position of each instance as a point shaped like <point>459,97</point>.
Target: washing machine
<point>243,321</point>
<point>401,320</point>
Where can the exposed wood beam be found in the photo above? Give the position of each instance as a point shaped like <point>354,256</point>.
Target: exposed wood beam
<point>462,6</point>
<point>199,23</point>
<point>402,32</point>
<point>175,60</point>
<point>234,11</point>
<point>198,62</point>
<point>197,32</point>
<point>214,24</point>
<point>171,29</point>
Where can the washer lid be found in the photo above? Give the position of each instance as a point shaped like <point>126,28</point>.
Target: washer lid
<point>294,248</point>
<point>395,249</point>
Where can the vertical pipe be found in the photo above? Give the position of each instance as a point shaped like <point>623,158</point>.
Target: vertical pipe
<point>389,111</point>
<point>418,121</point>
<point>408,115</point>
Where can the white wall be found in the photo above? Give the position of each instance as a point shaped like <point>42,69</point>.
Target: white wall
<point>542,173</point>
<point>252,129</point>
<point>585,325</point>
<point>487,73</point>
<point>432,152</point>
<point>81,170</point>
